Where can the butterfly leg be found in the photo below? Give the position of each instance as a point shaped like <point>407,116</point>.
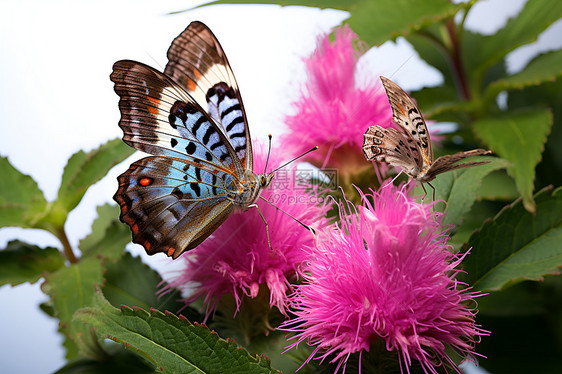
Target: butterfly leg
<point>433,188</point>
<point>266,225</point>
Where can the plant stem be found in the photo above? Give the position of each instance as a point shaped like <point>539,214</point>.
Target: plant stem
<point>457,66</point>
<point>61,234</point>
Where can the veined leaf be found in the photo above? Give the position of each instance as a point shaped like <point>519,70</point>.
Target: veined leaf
<point>459,188</point>
<point>115,363</point>
<point>535,17</point>
<point>71,288</point>
<point>129,281</point>
<point>517,245</point>
<point>172,344</point>
<point>21,202</point>
<point>108,237</point>
<point>378,21</point>
<point>543,68</point>
<point>21,262</point>
<point>518,137</point>
<point>84,169</point>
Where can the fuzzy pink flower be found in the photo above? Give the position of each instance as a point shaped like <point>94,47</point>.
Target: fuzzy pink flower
<point>237,259</point>
<point>334,113</point>
<point>386,274</point>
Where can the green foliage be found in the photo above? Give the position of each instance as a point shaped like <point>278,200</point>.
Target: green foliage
<point>23,206</point>
<point>21,262</point>
<point>518,137</point>
<point>172,344</point>
<point>517,245</point>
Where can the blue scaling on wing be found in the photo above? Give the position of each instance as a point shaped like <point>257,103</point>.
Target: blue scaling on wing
<point>198,137</point>
<point>156,195</point>
<point>224,104</point>
<point>160,118</point>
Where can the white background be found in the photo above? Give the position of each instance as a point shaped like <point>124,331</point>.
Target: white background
<point>56,99</point>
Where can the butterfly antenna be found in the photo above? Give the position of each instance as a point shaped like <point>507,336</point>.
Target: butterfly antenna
<point>294,159</point>
<point>268,153</point>
<point>291,216</point>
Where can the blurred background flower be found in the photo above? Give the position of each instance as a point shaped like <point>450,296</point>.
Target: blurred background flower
<point>333,112</point>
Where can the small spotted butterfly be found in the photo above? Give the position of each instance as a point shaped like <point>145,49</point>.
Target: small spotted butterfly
<point>202,164</point>
<point>410,149</point>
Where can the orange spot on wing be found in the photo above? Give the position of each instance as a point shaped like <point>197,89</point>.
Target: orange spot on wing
<point>147,246</point>
<point>171,251</point>
<point>145,181</point>
<point>151,109</point>
<point>135,229</point>
<point>401,109</point>
<point>191,85</point>
<point>197,74</point>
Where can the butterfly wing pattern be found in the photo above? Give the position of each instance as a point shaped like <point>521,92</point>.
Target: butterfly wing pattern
<point>198,173</point>
<point>409,148</point>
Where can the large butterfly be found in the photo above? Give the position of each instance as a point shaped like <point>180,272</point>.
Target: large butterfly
<point>410,148</point>
<point>201,169</point>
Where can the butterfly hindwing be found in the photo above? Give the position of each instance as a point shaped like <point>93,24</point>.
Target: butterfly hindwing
<point>198,63</point>
<point>160,118</point>
<point>408,116</point>
<point>169,202</point>
<point>447,163</point>
<point>389,145</point>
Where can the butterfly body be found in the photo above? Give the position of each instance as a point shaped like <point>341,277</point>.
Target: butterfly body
<point>409,147</point>
<point>191,120</point>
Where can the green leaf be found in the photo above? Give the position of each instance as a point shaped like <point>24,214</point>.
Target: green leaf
<point>108,237</point>
<point>130,282</point>
<point>172,344</point>
<point>459,188</point>
<point>323,4</point>
<point>378,21</point>
<point>21,202</point>
<point>481,52</point>
<point>517,245</point>
<point>84,169</point>
<point>498,186</point>
<point>71,288</point>
<point>117,363</point>
<point>22,262</point>
<point>518,137</point>
<point>543,68</point>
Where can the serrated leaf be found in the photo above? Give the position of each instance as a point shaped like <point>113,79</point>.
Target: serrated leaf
<point>517,245</point>
<point>84,169</point>
<point>459,188</point>
<point>481,52</point>
<point>71,288</point>
<point>172,344</point>
<point>518,137</point>
<point>543,68</point>
<point>378,21</point>
<point>22,262</point>
<point>21,202</point>
<point>129,281</point>
<point>108,237</point>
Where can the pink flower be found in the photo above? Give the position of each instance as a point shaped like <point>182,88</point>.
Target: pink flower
<point>334,113</point>
<point>237,259</point>
<point>388,275</point>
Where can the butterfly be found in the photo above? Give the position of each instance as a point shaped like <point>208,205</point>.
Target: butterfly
<point>410,147</point>
<point>192,121</point>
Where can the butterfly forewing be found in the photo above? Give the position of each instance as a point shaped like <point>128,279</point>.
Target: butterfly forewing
<point>160,118</point>
<point>410,148</point>
<point>198,63</point>
<point>389,145</point>
<point>407,115</point>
